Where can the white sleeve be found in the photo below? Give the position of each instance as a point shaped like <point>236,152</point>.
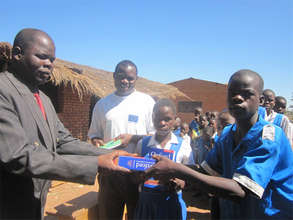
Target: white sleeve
<point>291,134</point>
<point>149,118</point>
<point>185,153</point>
<point>287,128</point>
<point>96,127</point>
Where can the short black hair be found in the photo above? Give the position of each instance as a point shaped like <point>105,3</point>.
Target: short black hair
<point>280,98</point>
<point>268,90</point>
<point>198,108</point>
<point>249,73</point>
<point>165,102</point>
<point>124,63</point>
<point>26,36</point>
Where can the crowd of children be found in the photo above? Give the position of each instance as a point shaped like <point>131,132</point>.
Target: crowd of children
<point>250,165</point>
<point>196,144</point>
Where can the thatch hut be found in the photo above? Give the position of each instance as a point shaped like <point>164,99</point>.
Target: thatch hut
<point>5,55</point>
<point>76,88</point>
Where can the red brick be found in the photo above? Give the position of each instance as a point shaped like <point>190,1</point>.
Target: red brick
<point>211,94</point>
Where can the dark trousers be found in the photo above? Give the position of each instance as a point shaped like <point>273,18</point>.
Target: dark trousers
<point>114,192</point>
<point>215,208</point>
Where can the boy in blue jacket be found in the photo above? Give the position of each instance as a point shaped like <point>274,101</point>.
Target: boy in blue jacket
<point>251,165</point>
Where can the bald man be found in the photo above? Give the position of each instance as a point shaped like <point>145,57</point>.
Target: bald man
<point>35,146</point>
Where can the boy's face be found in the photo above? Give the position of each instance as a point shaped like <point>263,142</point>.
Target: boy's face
<point>125,79</point>
<point>269,100</point>
<point>208,114</point>
<point>214,115</point>
<point>177,123</point>
<point>197,113</point>
<point>185,128</point>
<point>223,122</point>
<point>207,134</point>
<point>203,121</point>
<point>243,96</point>
<point>213,122</point>
<point>163,119</point>
<point>280,106</point>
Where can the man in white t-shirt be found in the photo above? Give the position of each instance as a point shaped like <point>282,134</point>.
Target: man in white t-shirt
<point>126,114</point>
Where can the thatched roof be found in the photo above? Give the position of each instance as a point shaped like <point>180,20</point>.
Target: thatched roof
<point>5,55</point>
<point>88,80</point>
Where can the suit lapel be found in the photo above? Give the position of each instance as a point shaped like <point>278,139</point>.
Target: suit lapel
<point>50,118</point>
<point>34,108</point>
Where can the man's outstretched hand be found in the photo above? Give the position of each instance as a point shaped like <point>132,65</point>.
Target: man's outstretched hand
<point>107,162</point>
<point>128,138</point>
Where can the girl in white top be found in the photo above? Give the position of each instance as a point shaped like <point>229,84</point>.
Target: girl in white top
<point>163,200</point>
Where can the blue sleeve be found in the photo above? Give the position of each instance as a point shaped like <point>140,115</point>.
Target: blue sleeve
<point>256,167</point>
<point>262,112</point>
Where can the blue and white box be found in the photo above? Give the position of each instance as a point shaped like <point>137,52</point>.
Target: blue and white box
<point>135,163</point>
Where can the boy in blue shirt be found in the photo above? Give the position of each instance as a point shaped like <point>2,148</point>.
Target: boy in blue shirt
<point>280,120</point>
<point>251,164</point>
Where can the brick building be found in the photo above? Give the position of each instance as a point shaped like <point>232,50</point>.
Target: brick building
<point>75,89</point>
<point>211,96</point>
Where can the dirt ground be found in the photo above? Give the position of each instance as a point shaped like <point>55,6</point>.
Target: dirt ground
<point>76,201</point>
<point>197,206</point>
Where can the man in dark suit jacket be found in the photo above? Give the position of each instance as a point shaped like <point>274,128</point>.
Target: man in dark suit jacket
<point>34,145</point>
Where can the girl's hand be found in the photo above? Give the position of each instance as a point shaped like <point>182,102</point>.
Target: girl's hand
<point>175,185</point>
<point>179,184</point>
<point>163,170</point>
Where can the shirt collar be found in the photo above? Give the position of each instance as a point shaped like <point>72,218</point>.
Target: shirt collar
<point>153,141</point>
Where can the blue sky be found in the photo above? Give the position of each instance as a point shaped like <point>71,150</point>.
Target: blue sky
<point>168,40</point>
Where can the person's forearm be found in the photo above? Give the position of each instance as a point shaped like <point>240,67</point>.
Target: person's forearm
<point>219,186</point>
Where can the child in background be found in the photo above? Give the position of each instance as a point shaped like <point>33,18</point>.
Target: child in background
<point>212,119</point>
<point>213,124</point>
<point>203,122</point>
<point>251,165</point>
<point>274,117</point>
<point>177,126</point>
<point>198,143</point>
<point>280,104</point>
<point>194,124</point>
<point>204,144</point>
<point>224,119</point>
<point>280,107</point>
<point>164,200</point>
<point>208,115</point>
<point>184,132</point>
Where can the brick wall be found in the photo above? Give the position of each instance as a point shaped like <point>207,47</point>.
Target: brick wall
<point>73,112</point>
<point>211,94</point>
